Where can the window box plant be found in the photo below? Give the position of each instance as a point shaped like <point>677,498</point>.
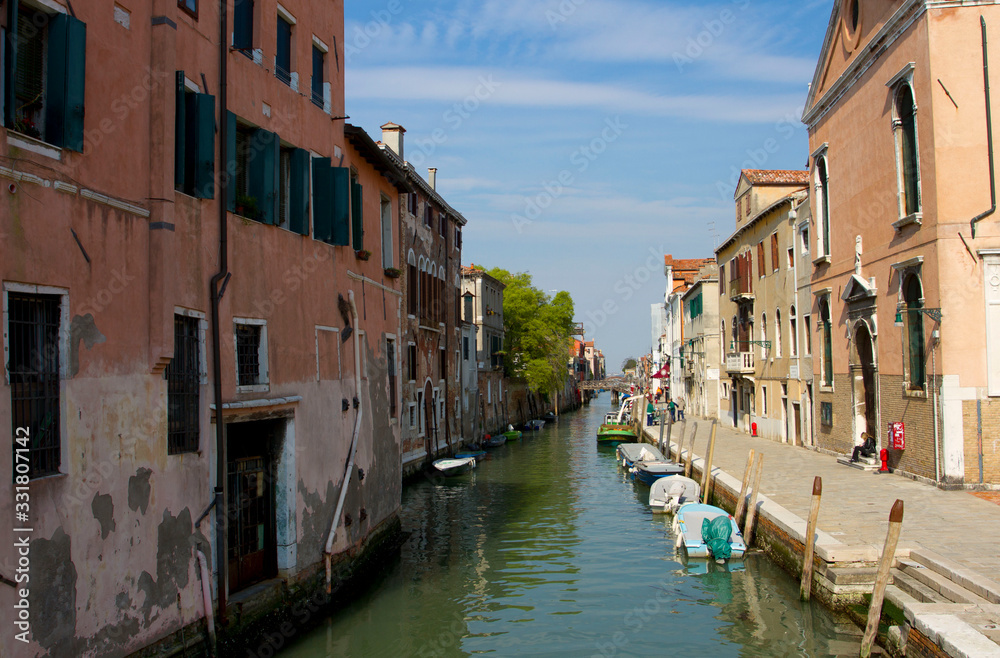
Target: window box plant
<point>363,254</point>
<point>246,206</point>
<point>393,272</point>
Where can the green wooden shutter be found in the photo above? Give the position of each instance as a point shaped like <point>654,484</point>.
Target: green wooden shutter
<point>323,203</point>
<point>298,193</point>
<point>180,139</point>
<point>64,89</point>
<point>10,66</point>
<point>264,174</point>
<point>243,24</point>
<point>201,145</point>
<point>357,216</point>
<point>341,206</point>
<point>230,160</point>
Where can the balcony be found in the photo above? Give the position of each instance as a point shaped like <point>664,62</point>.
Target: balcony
<point>740,363</point>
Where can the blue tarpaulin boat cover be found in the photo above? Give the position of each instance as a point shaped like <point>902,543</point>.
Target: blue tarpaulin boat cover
<point>716,533</point>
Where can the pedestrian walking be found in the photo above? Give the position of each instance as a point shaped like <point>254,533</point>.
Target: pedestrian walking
<point>672,408</point>
<point>680,408</point>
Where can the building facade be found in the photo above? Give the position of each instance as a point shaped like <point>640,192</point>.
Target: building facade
<point>680,275</point>
<point>191,316</point>
<point>759,317</point>
<point>431,248</point>
<point>701,352</point>
<point>484,294</point>
<point>906,246</point>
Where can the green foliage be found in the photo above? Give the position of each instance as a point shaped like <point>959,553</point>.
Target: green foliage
<point>629,363</point>
<point>538,331</point>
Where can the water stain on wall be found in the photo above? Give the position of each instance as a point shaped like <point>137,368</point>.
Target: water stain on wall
<point>138,490</point>
<point>104,511</point>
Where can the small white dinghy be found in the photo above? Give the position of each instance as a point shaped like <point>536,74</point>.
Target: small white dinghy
<point>630,453</point>
<point>691,520</point>
<point>669,493</point>
<point>450,467</point>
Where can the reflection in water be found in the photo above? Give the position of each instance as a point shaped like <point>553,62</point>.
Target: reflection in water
<point>547,548</point>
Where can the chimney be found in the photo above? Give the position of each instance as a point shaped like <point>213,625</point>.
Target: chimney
<point>392,136</point>
<point>432,177</point>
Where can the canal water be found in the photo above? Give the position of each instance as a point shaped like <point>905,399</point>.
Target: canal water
<point>548,549</point>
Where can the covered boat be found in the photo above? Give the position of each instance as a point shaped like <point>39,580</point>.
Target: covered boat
<point>615,434</point>
<point>708,531</point>
<point>534,425</point>
<point>494,441</point>
<point>649,472</point>
<point>667,494</point>
<point>451,467</point>
<point>630,453</point>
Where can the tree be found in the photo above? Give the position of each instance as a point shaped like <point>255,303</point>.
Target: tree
<point>538,332</point>
<point>629,363</point>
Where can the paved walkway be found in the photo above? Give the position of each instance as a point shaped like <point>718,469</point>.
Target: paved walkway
<point>855,504</point>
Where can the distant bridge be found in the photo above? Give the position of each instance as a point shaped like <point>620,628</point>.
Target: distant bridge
<point>619,384</point>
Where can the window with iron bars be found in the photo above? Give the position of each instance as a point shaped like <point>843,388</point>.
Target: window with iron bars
<point>183,380</point>
<point>33,368</point>
<point>248,354</point>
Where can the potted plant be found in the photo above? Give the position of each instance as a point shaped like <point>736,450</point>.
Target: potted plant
<point>246,206</point>
<point>393,272</point>
<point>363,254</point>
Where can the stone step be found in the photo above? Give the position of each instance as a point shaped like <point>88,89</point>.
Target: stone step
<point>941,584</point>
<point>971,581</point>
<point>915,588</point>
<point>864,463</point>
<point>898,597</point>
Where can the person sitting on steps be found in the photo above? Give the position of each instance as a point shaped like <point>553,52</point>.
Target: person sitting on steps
<point>865,449</point>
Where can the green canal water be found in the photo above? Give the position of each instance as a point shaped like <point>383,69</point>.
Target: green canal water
<point>547,549</point>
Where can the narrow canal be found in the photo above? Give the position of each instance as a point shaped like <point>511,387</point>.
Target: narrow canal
<point>548,549</point>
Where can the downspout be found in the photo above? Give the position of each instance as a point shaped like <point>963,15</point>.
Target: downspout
<point>989,132</point>
<point>328,551</point>
<point>206,597</point>
<point>216,293</point>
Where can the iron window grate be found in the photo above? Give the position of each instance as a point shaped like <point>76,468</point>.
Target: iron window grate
<point>33,366</point>
<point>248,354</point>
<point>183,381</point>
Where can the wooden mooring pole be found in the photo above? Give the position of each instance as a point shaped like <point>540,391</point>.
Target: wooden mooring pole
<point>805,588</point>
<point>752,510</point>
<point>706,476</point>
<point>882,579</point>
<point>742,502</point>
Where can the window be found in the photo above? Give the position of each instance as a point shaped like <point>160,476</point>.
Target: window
<point>284,184</point>
<point>496,359</point>
<point>913,297</point>
<point>774,253</point>
<point>442,225</point>
<point>251,355</point>
<point>807,328</point>
<point>793,333</point>
<point>33,369</point>
<point>827,327</point>
<point>331,190</point>
<point>283,52</point>
<point>386,215</point>
<point>390,359</point>
<point>428,215</point>
<point>696,307</point>
<point>421,414</point>
<point>763,401</point>
<point>760,259</point>
<point>411,285</point>
<point>458,238</point>
<point>411,362</point>
<point>465,348</point>
<point>243,27</point>
<point>411,203</point>
<point>823,205</point>
<point>190,6</point>
<point>183,387</point>
<point>194,141</point>
<point>722,278</point>
<point>357,215</point>
<point>44,73</point>
<point>826,413</point>
<point>777,332</point>
<point>443,364</point>
<point>763,333</point>
<point>791,258</point>
<point>904,128</point>
<point>318,77</point>
<point>805,241</point>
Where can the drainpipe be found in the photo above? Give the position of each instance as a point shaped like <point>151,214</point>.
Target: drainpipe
<point>328,552</point>
<point>937,437</point>
<point>989,132</point>
<point>216,293</point>
<point>206,597</point>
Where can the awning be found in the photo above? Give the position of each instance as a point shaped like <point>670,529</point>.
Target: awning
<point>663,373</point>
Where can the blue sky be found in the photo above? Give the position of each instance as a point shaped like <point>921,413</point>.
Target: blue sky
<point>584,139</point>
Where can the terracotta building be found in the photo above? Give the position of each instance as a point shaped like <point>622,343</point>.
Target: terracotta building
<point>198,309</point>
<point>905,242</point>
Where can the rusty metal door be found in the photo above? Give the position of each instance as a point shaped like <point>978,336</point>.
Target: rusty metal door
<point>252,545</point>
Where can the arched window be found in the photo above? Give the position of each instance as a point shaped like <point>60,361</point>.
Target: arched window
<point>793,333</point>
<point>824,318</point>
<point>913,295</point>
<point>904,127</point>
<point>763,332</point>
<point>823,205</point>
<point>735,331</point>
<point>777,332</point>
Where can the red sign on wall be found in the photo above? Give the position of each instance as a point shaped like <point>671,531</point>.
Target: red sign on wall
<point>897,436</point>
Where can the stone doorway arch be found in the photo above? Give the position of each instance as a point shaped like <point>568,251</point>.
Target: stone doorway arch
<point>865,372</point>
